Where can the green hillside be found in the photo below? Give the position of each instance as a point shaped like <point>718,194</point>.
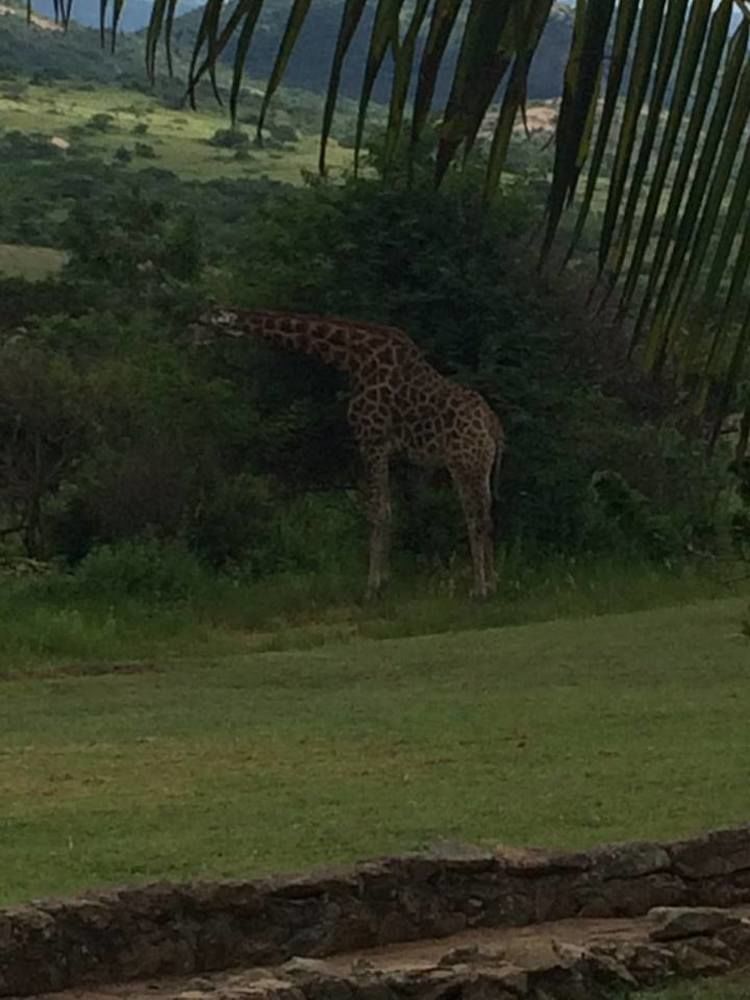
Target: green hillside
<point>309,65</point>
<point>42,49</point>
<point>98,104</point>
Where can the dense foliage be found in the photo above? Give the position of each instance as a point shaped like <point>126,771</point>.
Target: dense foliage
<point>115,430</point>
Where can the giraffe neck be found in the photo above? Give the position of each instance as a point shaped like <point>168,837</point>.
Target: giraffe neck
<point>344,344</point>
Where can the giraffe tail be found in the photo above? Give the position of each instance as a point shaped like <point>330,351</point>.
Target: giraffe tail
<point>497,467</point>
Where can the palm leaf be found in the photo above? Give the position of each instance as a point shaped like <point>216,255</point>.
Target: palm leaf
<point>206,34</point>
<point>645,51</point>
<point>735,130</point>
<point>402,77</point>
<point>732,377</point>
<point>579,93</point>
<point>444,16</point>
<point>627,12</point>
<point>384,36</point>
<point>251,11</point>
<point>713,366</point>
<point>668,48</point>
<point>731,228</point>
<point>695,36</point>
<point>509,56</point>
<point>103,4</point>
<point>297,16</point>
<point>661,327</point>
<point>117,7</point>
<point>244,10</point>
<point>701,96</point>
<point>350,19</point>
<point>168,23</point>
<point>153,33</point>
<point>515,94</point>
<point>477,74</point>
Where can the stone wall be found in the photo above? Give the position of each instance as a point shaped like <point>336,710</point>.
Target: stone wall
<point>167,929</point>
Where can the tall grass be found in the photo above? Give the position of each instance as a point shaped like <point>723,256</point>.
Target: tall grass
<point>146,599</point>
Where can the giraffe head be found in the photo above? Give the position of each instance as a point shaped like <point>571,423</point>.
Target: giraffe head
<point>215,322</point>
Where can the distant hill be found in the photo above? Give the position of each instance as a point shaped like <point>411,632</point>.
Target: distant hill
<point>43,49</point>
<point>135,13</point>
<point>37,50</point>
<point>310,63</point>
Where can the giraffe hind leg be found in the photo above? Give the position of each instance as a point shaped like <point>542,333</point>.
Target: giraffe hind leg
<point>490,573</point>
<point>476,502</point>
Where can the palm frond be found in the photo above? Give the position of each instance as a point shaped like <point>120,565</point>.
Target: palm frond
<point>385,32</point>
<point>352,15</point>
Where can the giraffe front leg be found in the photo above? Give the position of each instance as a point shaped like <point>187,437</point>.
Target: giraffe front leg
<point>379,516</point>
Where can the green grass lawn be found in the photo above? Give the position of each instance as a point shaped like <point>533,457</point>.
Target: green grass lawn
<point>724,988</point>
<point>566,733</point>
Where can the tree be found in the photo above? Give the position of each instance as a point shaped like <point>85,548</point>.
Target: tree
<point>44,430</point>
<point>661,88</point>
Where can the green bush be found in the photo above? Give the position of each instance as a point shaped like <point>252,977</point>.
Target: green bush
<point>415,259</point>
<point>145,150</point>
<point>243,453</point>
<point>101,122</point>
<point>235,521</point>
<point>147,569</point>
<point>317,532</point>
<point>229,138</point>
<point>629,516</point>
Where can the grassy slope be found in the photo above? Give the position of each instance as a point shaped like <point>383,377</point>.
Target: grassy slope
<point>29,262</point>
<point>567,733</point>
<point>179,139</point>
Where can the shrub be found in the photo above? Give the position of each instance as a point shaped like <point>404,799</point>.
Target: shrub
<point>284,133</point>
<point>235,522</point>
<point>629,514</point>
<point>414,258</point>
<point>100,122</point>
<point>145,150</point>
<point>229,138</point>
<point>148,569</point>
<point>316,532</point>
<point>19,145</point>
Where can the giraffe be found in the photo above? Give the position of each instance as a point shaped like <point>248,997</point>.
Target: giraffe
<point>399,404</point>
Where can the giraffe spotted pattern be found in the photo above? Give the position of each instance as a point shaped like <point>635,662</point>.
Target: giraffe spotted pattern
<point>399,405</point>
